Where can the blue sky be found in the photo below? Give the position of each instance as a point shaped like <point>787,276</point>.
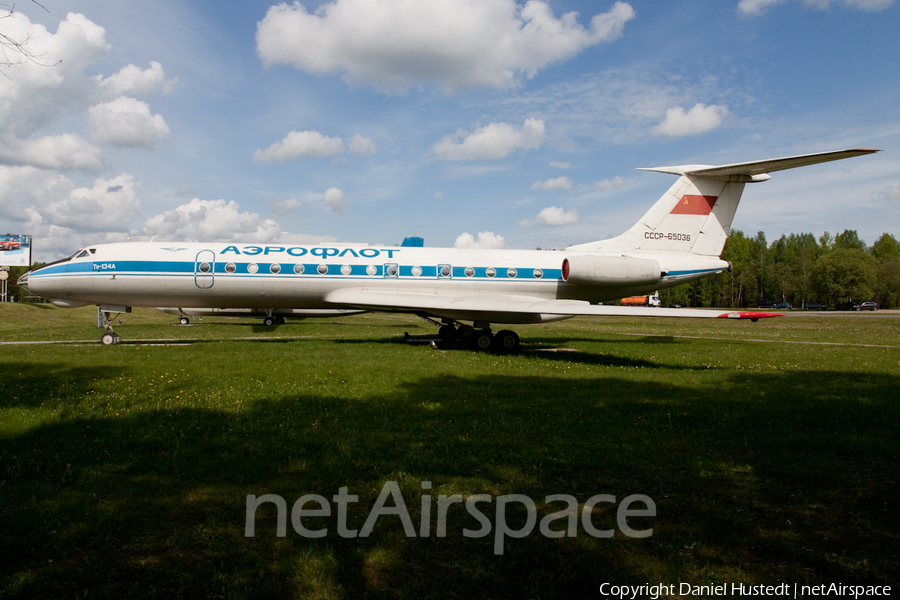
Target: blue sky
<point>465,122</point>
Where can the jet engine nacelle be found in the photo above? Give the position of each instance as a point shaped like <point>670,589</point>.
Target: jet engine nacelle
<point>609,271</point>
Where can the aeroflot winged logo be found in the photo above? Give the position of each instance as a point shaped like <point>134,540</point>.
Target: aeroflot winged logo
<point>694,205</point>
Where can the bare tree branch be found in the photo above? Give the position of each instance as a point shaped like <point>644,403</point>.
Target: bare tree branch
<point>14,51</point>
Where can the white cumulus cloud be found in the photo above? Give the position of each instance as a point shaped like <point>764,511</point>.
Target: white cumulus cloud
<point>39,91</point>
<point>491,142</point>
<point>109,205</point>
<point>552,216</point>
<point>608,184</point>
<point>486,240</point>
<point>890,192</point>
<point>62,152</point>
<point>334,199</point>
<point>131,80</point>
<point>126,123</point>
<point>285,206</point>
<point>38,200</point>
<point>455,44</point>
<point>362,146</point>
<point>560,165</point>
<point>758,7</point>
<point>42,94</point>
<point>300,144</point>
<point>700,119</point>
<point>560,183</point>
<point>214,221</point>
<point>755,7</point>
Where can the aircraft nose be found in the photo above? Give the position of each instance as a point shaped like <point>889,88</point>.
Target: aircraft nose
<point>23,280</point>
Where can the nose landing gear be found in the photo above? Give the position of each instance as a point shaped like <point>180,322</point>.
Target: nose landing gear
<point>110,338</point>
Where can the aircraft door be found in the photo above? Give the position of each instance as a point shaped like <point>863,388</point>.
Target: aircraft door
<point>204,269</point>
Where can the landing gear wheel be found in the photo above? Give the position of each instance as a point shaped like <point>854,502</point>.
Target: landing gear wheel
<point>184,321</point>
<point>465,332</point>
<point>447,333</point>
<point>279,320</point>
<point>269,321</point>
<point>108,339</point>
<point>506,341</point>
<point>483,340</point>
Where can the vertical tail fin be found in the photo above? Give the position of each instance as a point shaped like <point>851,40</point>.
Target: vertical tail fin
<point>695,214</point>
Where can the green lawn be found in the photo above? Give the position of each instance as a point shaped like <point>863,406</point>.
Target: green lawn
<point>124,470</point>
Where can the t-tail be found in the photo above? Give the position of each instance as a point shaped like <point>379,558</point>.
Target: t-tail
<point>694,216</point>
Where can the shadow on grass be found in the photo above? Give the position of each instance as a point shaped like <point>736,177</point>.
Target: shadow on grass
<point>540,350</point>
<point>762,477</point>
<point>50,385</point>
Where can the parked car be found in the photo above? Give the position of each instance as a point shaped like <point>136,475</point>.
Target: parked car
<point>784,306</point>
<point>814,306</point>
<point>849,305</point>
<point>763,303</point>
<point>866,306</point>
<point>9,245</point>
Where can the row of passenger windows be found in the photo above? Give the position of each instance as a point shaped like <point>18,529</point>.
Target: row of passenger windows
<point>390,270</point>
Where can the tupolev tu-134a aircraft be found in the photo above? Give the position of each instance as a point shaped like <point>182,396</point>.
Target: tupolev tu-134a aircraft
<point>463,291</point>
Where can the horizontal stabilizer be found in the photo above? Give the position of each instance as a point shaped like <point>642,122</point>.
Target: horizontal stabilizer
<point>752,171</point>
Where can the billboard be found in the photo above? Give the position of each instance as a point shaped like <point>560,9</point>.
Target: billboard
<point>15,250</point>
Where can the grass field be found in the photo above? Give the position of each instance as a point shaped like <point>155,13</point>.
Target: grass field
<point>124,470</point>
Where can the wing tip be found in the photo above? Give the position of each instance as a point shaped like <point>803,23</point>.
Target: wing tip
<point>753,316</point>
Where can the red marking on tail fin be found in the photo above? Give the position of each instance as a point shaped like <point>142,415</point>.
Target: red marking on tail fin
<point>694,205</point>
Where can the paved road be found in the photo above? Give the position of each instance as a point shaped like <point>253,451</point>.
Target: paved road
<point>884,314</point>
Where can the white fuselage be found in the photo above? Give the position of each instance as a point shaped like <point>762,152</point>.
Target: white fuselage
<point>268,276</point>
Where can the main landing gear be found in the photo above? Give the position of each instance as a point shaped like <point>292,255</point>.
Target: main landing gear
<point>480,336</point>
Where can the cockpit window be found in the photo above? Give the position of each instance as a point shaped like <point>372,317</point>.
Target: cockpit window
<point>82,254</point>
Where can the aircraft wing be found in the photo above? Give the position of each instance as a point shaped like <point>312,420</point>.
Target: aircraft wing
<point>479,305</point>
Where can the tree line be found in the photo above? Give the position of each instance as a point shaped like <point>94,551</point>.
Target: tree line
<point>799,268</point>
